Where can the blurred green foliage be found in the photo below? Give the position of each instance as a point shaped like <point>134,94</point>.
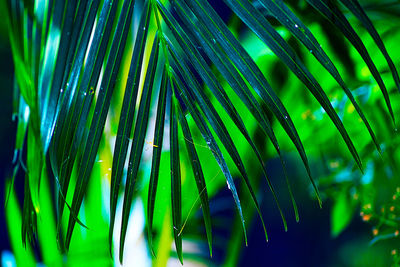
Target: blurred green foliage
<point>352,195</point>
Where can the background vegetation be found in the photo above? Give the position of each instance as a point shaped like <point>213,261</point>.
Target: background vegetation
<point>357,226</point>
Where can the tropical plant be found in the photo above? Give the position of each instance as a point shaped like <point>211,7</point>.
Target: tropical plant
<point>95,80</point>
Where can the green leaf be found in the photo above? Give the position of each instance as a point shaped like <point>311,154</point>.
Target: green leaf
<point>157,149</point>
<point>73,130</point>
<point>264,30</point>
<point>355,7</point>
<point>86,162</point>
<point>219,129</point>
<point>342,213</point>
<point>138,141</point>
<point>198,176</point>
<point>34,161</point>
<point>336,17</point>
<point>128,112</point>
<point>244,63</point>
<point>53,70</point>
<point>283,14</point>
<point>22,252</point>
<point>29,215</point>
<point>236,82</point>
<point>211,143</point>
<point>65,94</point>
<point>176,195</point>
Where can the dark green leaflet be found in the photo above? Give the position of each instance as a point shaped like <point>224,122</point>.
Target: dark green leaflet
<point>355,7</point>
<point>336,17</point>
<point>128,111</point>
<point>29,216</point>
<point>70,80</point>
<point>205,132</point>
<point>64,104</point>
<point>86,162</point>
<point>198,175</point>
<point>250,71</point>
<point>53,74</point>
<point>138,141</point>
<point>283,14</point>
<point>176,195</point>
<point>264,30</point>
<point>74,125</point>
<point>217,125</point>
<point>157,149</point>
<point>234,79</point>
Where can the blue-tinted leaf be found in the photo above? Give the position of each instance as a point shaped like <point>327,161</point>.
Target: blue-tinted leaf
<point>176,195</point>
<point>283,14</point>
<point>249,70</point>
<point>127,112</point>
<point>355,7</point>
<point>337,18</point>
<point>157,149</point>
<point>201,124</point>
<point>111,70</point>
<point>138,142</point>
<point>198,175</point>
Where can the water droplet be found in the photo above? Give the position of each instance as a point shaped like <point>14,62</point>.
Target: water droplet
<point>214,41</point>
<point>286,117</point>
<point>395,129</point>
<point>229,187</point>
<point>296,26</point>
<point>310,50</point>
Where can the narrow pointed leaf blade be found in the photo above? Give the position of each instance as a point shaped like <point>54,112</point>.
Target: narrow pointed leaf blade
<point>157,149</point>
<point>355,7</point>
<point>176,195</point>
<point>198,176</point>
<point>138,141</point>
<point>128,111</point>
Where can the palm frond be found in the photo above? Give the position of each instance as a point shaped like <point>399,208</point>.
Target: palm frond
<point>69,62</point>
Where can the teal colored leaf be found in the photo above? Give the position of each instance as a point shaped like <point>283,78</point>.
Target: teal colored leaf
<point>198,176</point>
<point>157,149</point>
<point>86,162</point>
<point>128,111</point>
<point>250,71</point>
<point>73,130</point>
<point>176,195</point>
<point>337,18</point>
<point>138,141</point>
<point>283,14</point>
<point>355,7</point>
<point>201,124</point>
<point>264,30</point>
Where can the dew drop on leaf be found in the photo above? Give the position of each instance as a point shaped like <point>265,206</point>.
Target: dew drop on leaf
<point>229,187</point>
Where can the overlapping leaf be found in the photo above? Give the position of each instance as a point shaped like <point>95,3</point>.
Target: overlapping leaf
<point>60,52</point>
